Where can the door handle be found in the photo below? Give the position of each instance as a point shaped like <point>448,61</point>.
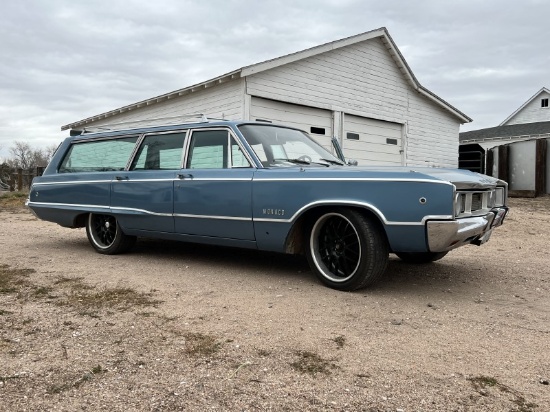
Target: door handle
<point>184,176</point>
<point>121,178</point>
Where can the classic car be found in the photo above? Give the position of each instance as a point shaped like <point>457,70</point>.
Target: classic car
<point>263,186</point>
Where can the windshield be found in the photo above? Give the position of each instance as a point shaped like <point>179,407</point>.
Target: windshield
<point>282,147</point>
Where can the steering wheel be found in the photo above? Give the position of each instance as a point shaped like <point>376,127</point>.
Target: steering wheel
<point>305,158</point>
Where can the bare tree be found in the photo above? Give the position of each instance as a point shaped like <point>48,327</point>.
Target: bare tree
<point>24,157</point>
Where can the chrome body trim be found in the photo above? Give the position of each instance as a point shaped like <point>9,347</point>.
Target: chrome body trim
<point>242,219</point>
<point>351,179</point>
<point>44,204</point>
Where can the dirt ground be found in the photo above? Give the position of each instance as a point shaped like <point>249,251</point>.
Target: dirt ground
<point>174,326</point>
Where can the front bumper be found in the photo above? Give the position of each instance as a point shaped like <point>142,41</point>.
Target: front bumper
<point>444,235</point>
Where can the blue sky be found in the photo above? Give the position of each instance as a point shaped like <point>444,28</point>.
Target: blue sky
<point>65,60</point>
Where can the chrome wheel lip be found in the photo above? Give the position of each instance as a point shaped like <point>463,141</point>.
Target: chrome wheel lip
<point>314,248</point>
<point>94,235</point>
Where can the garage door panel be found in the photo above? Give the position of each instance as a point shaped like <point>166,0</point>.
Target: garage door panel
<point>375,142</point>
<point>293,115</point>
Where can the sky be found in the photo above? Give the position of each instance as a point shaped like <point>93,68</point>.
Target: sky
<point>65,60</point>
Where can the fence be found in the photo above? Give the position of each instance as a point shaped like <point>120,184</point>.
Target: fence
<point>21,179</point>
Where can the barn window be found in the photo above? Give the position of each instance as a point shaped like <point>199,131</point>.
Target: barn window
<point>391,141</point>
<point>352,136</point>
<point>317,130</point>
<point>544,103</point>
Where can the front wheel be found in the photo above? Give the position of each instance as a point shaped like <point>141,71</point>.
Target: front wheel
<point>420,257</point>
<point>106,236</point>
<point>346,250</point>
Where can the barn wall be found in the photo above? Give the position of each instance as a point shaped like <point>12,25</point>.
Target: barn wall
<point>532,112</point>
<point>223,100</point>
<point>363,79</point>
<point>522,165</point>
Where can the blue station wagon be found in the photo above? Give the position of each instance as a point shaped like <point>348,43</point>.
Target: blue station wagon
<point>263,186</point>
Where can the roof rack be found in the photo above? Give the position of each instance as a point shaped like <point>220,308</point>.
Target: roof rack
<point>159,121</point>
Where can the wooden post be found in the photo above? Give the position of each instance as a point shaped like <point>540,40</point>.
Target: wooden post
<point>20,179</point>
<point>39,170</point>
<point>540,167</point>
<point>503,166</point>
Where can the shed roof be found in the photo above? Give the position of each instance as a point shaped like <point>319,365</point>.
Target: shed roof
<point>523,130</point>
<point>381,33</point>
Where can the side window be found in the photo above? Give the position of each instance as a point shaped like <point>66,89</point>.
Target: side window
<point>214,149</point>
<point>98,156</point>
<point>159,152</point>
<point>238,158</point>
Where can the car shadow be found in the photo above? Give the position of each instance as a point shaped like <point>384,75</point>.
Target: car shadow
<point>399,275</point>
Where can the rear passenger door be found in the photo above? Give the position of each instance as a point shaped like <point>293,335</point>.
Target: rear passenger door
<point>213,192</point>
<point>142,197</point>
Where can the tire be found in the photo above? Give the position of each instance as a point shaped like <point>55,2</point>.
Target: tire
<point>106,236</point>
<point>420,257</point>
<point>346,250</point>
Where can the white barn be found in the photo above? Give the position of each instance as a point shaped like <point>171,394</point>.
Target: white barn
<point>359,89</point>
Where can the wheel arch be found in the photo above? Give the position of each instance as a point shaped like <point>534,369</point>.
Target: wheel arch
<point>297,238</point>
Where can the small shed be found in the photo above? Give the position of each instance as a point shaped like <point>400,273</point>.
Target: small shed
<point>516,150</point>
<point>359,89</point>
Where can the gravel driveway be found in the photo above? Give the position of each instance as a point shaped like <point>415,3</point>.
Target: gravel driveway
<point>175,326</point>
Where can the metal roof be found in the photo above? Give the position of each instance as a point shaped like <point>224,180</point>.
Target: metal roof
<point>381,33</point>
<point>523,130</point>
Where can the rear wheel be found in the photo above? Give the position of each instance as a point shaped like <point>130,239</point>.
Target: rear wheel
<point>106,236</point>
<point>346,250</point>
<point>420,257</point>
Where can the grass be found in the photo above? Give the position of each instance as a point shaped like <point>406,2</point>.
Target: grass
<point>340,341</point>
<point>119,298</point>
<point>12,280</point>
<point>75,384</point>
<point>482,382</point>
<point>66,291</point>
<point>13,200</point>
<point>198,344</point>
<point>312,364</point>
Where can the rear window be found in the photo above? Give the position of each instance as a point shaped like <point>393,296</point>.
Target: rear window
<point>98,156</point>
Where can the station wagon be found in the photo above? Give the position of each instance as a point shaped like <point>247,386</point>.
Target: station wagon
<point>263,186</point>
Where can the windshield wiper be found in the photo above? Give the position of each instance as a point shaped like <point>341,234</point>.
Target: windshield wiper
<point>302,162</point>
<point>333,162</point>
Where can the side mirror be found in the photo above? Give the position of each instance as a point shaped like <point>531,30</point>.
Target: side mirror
<point>340,152</point>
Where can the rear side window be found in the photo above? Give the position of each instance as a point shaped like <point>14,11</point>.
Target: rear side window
<point>98,156</point>
<point>160,152</point>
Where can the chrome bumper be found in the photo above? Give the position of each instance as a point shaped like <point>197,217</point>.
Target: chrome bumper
<point>444,235</point>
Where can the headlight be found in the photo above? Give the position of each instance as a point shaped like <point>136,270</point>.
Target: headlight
<point>499,196</point>
<point>458,204</point>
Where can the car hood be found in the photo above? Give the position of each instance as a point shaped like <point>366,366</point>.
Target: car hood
<point>462,179</point>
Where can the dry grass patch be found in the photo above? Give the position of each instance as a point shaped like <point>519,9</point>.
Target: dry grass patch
<point>481,383</point>
<point>198,344</point>
<point>312,364</point>
<point>13,201</point>
<point>67,291</point>
<point>12,280</point>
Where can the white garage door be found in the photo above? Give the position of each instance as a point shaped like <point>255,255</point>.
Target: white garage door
<point>317,122</point>
<point>373,142</point>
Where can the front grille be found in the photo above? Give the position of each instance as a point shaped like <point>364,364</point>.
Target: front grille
<point>477,201</point>
<point>472,203</point>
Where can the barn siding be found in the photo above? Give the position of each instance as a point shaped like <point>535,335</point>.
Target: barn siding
<point>532,112</point>
<point>363,79</point>
<point>223,100</point>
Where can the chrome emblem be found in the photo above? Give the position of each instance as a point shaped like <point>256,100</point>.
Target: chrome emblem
<point>274,212</point>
